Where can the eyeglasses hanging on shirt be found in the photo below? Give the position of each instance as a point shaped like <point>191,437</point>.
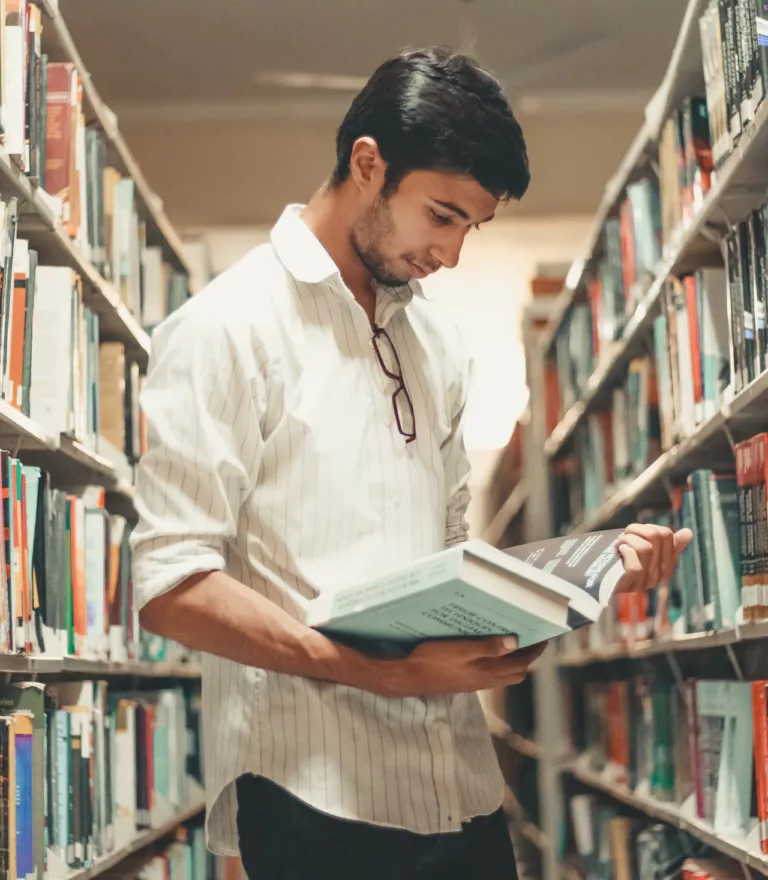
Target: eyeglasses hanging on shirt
<point>401,399</point>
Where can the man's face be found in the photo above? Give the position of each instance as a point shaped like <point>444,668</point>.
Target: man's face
<point>421,226</point>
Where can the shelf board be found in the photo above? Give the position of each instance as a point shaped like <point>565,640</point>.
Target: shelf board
<point>141,841</point>
<point>511,508</point>
<point>671,814</point>
<point>57,36</point>
<point>749,632</point>
<point>25,664</point>
<point>528,748</point>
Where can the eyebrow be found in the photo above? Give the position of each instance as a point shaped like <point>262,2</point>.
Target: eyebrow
<point>450,206</point>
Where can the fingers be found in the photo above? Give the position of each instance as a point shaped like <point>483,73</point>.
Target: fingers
<point>650,554</point>
<point>646,540</point>
<point>682,539</point>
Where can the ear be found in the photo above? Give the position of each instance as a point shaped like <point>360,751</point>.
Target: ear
<point>367,168</point>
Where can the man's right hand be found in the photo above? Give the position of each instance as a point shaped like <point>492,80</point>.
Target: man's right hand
<point>453,667</point>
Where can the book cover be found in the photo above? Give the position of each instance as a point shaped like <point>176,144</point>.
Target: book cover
<point>536,592</point>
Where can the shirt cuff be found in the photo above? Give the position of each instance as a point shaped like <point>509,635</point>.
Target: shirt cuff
<point>162,564</point>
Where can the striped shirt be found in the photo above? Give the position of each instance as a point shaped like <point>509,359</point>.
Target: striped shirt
<point>273,455</point>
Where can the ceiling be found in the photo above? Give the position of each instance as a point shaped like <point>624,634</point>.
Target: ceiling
<point>192,82</point>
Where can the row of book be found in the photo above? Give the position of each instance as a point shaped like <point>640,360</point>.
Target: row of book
<point>43,127</point>
<point>701,746</point>
<point>686,169</point>
<point>85,768</point>
<point>630,255</point>
<point>53,367</point>
<point>65,574</point>
<point>734,38</point>
<point>609,843</point>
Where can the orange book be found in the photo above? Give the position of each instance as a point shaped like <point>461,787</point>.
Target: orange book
<point>691,306</point>
<point>14,383</point>
<point>760,738</point>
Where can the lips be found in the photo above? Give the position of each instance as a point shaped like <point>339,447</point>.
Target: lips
<point>420,270</point>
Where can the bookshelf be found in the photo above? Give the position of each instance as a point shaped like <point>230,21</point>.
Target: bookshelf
<point>714,210</point>
<point>63,615</point>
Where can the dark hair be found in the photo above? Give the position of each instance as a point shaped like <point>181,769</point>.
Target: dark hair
<point>431,109</point>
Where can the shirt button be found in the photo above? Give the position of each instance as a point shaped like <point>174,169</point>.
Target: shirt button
<point>397,499</point>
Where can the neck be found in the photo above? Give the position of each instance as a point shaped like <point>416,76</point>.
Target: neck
<point>329,216</point>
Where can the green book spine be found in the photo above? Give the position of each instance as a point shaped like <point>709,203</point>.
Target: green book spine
<point>691,568</point>
<point>700,484</point>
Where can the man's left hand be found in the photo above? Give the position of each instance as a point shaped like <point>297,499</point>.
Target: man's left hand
<point>650,554</point>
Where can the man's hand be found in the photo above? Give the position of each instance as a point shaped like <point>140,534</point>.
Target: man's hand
<point>650,554</point>
<point>453,667</point>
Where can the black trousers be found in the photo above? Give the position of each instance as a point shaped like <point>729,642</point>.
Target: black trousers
<point>281,838</point>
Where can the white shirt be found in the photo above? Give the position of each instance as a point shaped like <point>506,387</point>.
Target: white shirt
<point>274,456</point>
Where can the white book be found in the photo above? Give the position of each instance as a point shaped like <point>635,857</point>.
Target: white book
<point>13,71</point>
<point>52,349</point>
<point>155,294</point>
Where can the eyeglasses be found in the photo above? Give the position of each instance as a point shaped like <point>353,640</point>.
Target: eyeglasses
<point>401,400</point>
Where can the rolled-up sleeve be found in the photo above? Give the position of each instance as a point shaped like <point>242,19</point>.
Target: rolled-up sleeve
<point>456,460</point>
<point>204,447</point>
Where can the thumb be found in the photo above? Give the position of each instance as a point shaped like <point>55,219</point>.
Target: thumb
<point>682,539</point>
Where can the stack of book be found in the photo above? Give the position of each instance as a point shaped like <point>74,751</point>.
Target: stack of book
<point>85,768</point>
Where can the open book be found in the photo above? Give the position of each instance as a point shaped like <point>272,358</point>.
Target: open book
<point>536,591</point>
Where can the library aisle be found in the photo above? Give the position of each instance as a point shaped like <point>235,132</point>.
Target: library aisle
<point>617,319</point>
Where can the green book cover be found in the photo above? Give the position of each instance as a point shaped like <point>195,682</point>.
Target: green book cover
<point>537,592</point>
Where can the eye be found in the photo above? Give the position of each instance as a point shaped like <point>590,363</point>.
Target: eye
<point>439,219</point>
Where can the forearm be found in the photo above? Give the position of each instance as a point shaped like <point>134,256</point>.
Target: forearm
<point>215,613</point>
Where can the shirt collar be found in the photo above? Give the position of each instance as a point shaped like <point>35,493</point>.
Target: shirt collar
<point>299,250</point>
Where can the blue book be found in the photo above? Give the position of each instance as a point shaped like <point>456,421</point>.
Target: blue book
<point>25,788</point>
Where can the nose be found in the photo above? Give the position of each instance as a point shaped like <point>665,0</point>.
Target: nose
<point>448,250</point>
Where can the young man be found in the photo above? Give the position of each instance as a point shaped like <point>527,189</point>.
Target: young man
<point>305,418</point>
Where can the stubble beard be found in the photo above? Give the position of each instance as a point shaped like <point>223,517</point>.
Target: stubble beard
<point>373,228</point>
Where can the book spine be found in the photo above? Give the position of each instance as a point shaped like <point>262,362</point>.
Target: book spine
<point>760,735</point>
